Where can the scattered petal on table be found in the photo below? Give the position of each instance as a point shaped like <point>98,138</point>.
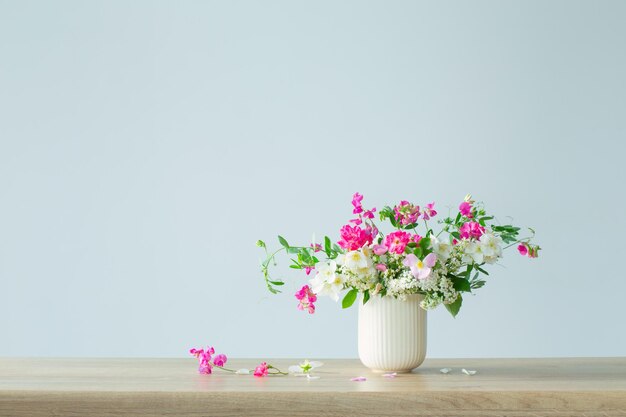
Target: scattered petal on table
<point>243,371</point>
<point>392,375</point>
<point>358,379</point>
<point>466,372</point>
<point>445,370</point>
<point>309,376</point>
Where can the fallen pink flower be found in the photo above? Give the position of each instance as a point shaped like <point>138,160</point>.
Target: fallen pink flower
<point>261,370</point>
<point>392,375</point>
<point>220,360</point>
<point>358,379</point>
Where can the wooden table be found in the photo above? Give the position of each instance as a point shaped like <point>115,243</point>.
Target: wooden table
<point>171,387</point>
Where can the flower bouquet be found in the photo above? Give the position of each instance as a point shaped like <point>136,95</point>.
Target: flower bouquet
<point>400,274</point>
<point>411,259</point>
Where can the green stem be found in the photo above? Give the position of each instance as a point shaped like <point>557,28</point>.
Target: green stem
<point>278,371</point>
<point>524,240</point>
<point>225,369</point>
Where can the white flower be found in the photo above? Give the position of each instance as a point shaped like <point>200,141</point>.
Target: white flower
<point>473,252</point>
<point>442,249</point>
<point>491,247</point>
<point>355,260</point>
<point>304,368</point>
<point>327,281</point>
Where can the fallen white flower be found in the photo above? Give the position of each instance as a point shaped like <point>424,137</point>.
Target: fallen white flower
<point>466,372</point>
<point>304,368</point>
<point>243,371</point>
<point>445,370</point>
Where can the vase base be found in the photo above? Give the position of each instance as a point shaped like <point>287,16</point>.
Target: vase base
<point>400,371</point>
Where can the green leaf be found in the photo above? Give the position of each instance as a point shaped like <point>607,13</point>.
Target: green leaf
<point>293,250</point>
<point>478,284</point>
<point>276,282</point>
<point>418,252</point>
<point>327,248</point>
<point>366,296</point>
<point>461,284</point>
<point>455,306</point>
<point>260,243</point>
<point>468,271</point>
<point>349,299</point>
<point>283,242</point>
<point>481,270</point>
<point>425,243</point>
<point>295,266</point>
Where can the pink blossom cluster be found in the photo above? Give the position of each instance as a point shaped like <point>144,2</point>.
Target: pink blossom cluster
<point>206,359</point>
<point>355,237</point>
<point>406,213</point>
<point>526,249</point>
<point>306,298</point>
<point>469,230</point>
<point>397,241</point>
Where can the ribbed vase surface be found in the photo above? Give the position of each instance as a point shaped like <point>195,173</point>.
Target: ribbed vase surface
<point>392,333</point>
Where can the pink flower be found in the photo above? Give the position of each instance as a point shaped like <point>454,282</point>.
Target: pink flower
<point>353,237</point>
<point>429,211</point>
<point>205,368</point>
<point>220,360</point>
<point>397,241</point>
<point>308,269</point>
<point>416,238</point>
<point>522,249</point>
<point>381,267</point>
<point>466,209</point>
<point>261,370</point>
<point>204,359</point>
<point>316,247</point>
<point>406,213</point>
<point>379,249</point>
<point>420,269</point>
<point>356,221</point>
<point>306,298</point>
<point>369,214</point>
<point>356,202</point>
<point>470,230</point>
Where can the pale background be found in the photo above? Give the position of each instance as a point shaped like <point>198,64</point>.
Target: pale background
<point>145,146</point>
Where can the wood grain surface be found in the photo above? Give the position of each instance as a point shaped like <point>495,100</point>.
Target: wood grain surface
<point>171,387</point>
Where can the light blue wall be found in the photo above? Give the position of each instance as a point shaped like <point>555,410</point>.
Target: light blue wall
<point>145,146</point>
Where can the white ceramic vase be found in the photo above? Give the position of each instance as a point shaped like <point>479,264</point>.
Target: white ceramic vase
<point>392,333</point>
